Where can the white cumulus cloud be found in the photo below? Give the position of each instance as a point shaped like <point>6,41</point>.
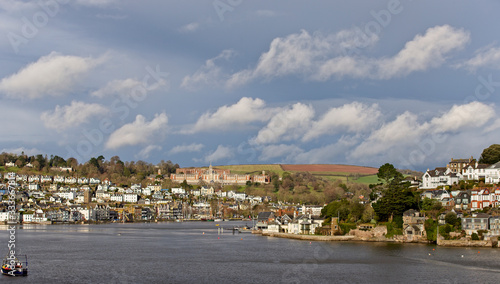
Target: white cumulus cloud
<point>406,129</point>
<point>221,153</point>
<point>301,53</point>
<point>320,57</point>
<point>471,115</point>
<point>288,124</point>
<point>487,57</point>
<point>51,75</point>
<point>421,53</point>
<point>353,117</point>
<point>138,132</point>
<point>245,111</point>
<point>64,117</point>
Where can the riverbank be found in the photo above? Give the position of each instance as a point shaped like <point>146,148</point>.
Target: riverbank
<point>322,238</point>
<point>445,243</point>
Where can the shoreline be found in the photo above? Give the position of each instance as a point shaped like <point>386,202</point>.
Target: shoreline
<point>443,243</point>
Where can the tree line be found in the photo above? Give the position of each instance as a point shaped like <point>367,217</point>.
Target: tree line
<point>98,167</point>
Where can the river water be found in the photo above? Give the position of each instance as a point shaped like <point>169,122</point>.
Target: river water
<point>194,252</point>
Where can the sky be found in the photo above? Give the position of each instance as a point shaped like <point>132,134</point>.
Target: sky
<point>411,83</point>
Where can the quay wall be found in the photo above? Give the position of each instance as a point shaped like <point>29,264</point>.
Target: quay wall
<point>467,243</point>
<point>441,242</point>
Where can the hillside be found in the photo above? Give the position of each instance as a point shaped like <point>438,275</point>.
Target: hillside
<point>352,173</point>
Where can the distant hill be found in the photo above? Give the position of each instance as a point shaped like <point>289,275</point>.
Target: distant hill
<point>331,168</point>
<point>328,171</point>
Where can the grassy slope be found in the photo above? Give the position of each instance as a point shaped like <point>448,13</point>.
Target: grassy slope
<point>252,169</point>
<point>11,169</point>
<point>257,169</point>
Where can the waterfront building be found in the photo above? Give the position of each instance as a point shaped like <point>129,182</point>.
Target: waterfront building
<point>413,226</point>
<point>494,226</point>
<point>473,224</point>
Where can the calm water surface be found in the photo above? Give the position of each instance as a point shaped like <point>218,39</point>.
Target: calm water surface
<point>193,252</point>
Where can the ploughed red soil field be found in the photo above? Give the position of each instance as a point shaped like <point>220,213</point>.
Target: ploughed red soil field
<point>331,168</point>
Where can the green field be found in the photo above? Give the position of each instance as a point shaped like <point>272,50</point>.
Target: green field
<point>371,179</point>
<point>252,169</point>
<point>343,176</point>
<point>11,169</point>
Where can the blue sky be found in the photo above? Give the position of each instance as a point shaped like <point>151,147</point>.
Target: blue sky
<point>412,83</point>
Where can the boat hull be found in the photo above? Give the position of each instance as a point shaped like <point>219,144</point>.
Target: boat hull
<point>15,272</point>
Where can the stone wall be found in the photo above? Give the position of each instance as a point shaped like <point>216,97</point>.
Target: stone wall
<point>464,243</point>
<point>310,237</point>
<point>378,233</point>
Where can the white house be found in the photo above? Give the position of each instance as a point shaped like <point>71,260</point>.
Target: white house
<point>474,172</point>
<point>10,176</point>
<point>221,193</point>
<point>130,197</point>
<point>178,191</point>
<point>492,173</point>
<point>204,191</point>
<point>46,179</point>
<point>33,186</point>
<point>146,191</point>
<point>438,177</point>
<point>240,196</point>
<point>9,165</point>
<point>59,179</point>
<point>116,197</point>
<point>34,178</point>
<point>70,195</point>
<point>87,213</point>
<point>28,217</point>
<point>104,187</point>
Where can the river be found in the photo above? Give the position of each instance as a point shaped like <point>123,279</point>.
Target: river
<point>194,252</point>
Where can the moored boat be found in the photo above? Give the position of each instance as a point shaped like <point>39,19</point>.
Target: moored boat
<point>12,266</point>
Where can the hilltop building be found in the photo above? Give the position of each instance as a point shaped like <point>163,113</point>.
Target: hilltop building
<point>213,175</point>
